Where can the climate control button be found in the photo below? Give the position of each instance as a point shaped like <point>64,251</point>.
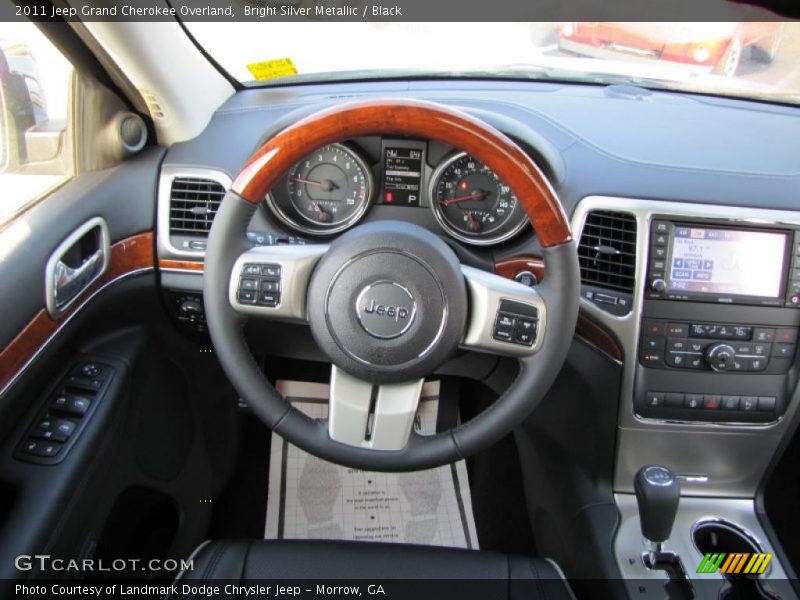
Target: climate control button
<point>720,357</point>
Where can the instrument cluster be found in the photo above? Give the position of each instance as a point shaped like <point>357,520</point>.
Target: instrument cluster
<point>333,188</point>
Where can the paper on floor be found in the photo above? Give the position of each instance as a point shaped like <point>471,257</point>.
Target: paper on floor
<point>310,498</point>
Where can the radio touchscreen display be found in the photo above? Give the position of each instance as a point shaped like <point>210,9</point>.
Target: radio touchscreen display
<point>726,262</point>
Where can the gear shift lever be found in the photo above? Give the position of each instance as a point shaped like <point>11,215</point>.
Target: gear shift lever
<point>657,494</point>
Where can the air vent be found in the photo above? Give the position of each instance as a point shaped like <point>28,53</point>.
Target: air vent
<point>607,250</point>
<point>193,204</point>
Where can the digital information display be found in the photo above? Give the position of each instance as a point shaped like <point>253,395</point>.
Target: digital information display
<point>726,261</point>
<point>402,175</point>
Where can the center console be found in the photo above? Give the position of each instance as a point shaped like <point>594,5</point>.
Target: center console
<point>695,366</point>
<point>708,384</point>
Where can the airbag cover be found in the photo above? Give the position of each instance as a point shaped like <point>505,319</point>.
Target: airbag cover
<point>387,302</point>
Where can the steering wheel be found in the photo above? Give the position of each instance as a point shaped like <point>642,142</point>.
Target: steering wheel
<point>388,302</point>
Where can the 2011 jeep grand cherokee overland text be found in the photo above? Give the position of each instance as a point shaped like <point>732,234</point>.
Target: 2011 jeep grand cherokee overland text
<point>319,300</point>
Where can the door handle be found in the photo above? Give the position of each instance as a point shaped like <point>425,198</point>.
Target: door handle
<point>69,282</point>
<point>75,264</point>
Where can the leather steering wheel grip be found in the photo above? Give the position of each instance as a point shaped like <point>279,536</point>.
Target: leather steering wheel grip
<point>560,290</point>
<point>410,117</point>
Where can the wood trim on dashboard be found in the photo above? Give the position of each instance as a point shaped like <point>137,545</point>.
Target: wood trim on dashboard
<point>132,254</point>
<point>585,328</point>
<point>410,117</point>
<point>594,335</point>
<point>181,265</point>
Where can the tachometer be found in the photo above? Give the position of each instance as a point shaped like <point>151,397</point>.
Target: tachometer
<point>326,192</point>
<point>472,203</point>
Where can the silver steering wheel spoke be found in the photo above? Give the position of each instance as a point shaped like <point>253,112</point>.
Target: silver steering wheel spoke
<point>272,281</point>
<point>505,317</point>
<point>375,417</point>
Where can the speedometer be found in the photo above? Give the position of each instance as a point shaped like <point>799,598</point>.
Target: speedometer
<point>473,204</point>
<point>326,192</point>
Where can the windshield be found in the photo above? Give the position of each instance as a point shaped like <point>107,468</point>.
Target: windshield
<point>752,59</point>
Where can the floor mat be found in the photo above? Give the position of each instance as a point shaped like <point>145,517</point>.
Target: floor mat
<point>310,498</point>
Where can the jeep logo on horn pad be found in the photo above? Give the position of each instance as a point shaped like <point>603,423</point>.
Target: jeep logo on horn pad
<point>385,309</point>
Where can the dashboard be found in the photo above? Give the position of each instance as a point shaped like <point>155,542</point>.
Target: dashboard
<point>620,161</point>
<point>685,210</point>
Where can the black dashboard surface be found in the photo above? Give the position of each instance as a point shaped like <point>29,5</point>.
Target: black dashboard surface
<point>598,140</point>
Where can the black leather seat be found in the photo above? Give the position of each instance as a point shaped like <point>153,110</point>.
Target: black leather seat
<point>241,561</point>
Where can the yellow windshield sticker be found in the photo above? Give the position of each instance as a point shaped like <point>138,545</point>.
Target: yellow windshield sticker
<point>272,69</point>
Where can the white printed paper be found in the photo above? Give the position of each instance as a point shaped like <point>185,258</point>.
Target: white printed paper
<point>310,498</point>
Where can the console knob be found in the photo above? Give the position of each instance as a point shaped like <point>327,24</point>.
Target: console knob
<point>658,285</point>
<point>191,309</point>
<point>720,356</point>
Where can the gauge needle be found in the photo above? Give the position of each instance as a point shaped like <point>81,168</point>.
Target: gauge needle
<point>473,223</point>
<point>474,195</point>
<point>321,213</point>
<point>327,184</point>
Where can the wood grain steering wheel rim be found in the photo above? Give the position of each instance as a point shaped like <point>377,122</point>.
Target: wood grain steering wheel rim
<point>410,117</point>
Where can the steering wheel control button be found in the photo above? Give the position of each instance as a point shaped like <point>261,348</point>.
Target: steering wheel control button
<point>385,309</point>
<point>269,299</point>
<point>516,323</point>
<point>504,327</point>
<point>271,271</point>
<point>247,296</point>
<point>259,284</point>
<point>269,293</point>
<point>270,286</point>
<point>525,332</point>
